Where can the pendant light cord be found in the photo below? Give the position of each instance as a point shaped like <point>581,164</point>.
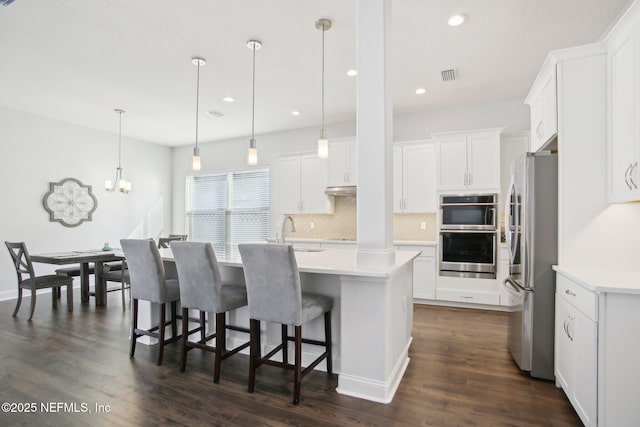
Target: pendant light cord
<point>323,132</point>
<point>120,140</point>
<point>197,100</point>
<point>253,96</point>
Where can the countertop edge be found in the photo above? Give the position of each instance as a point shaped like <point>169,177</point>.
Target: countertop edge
<point>604,280</point>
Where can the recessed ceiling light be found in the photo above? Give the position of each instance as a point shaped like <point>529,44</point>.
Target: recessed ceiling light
<point>295,113</point>
<point>228,99</point>
<point>456,20</point>
<point>352,73</point>
<point>216,114</point>
<point>421,91</point>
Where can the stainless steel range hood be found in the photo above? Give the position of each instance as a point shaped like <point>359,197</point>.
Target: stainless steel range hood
<point>343,190</point>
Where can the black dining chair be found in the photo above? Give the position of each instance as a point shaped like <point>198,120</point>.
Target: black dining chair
<point>27,279</point>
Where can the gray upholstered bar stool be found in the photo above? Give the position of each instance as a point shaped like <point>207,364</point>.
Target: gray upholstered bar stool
<point>148,283</point>
<point>201,289</point>
<point>274,295</point>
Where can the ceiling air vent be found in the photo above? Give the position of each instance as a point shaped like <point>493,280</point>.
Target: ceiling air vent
<point>448,75</point>
<point>6,2</point>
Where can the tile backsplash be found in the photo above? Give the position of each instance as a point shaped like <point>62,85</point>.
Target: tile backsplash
<point>342,224</point>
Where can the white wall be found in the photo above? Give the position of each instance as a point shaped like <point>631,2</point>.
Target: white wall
<point>231,154</point>
<point>35,151</point>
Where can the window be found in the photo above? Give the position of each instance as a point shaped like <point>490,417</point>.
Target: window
<point>226,209</point>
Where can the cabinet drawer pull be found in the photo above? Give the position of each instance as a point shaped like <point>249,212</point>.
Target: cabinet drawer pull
<point>570,292</point>
<point>539,130</point>
<point>466,297</point>
<point>635,165</point>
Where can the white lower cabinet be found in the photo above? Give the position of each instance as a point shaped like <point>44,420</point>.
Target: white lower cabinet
<point>424,271</point>
<point>468,290</point>
<point>576,348</point>
<point>597,346</point>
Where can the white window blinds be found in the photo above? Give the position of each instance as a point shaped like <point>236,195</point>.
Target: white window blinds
<point>226,209</point>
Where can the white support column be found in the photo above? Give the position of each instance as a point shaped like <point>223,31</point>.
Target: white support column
<point>374,133</point>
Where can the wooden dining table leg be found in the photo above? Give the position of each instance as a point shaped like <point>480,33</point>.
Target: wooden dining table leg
<point>84,282</point>
<point>100,286</point>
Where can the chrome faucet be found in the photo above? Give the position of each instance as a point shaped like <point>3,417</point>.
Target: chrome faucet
<point>293,227</point>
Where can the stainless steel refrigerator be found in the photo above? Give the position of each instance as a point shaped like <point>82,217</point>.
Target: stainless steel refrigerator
<point>531,231</point>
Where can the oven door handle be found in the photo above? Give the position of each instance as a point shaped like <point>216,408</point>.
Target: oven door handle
<point>468,231</point>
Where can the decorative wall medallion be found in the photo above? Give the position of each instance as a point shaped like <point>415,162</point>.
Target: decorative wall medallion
<point>69,202</point>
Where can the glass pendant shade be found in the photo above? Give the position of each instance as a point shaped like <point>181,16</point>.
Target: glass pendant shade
<point>196,159</point>
<point>252,157</point>
<point>323,148</point>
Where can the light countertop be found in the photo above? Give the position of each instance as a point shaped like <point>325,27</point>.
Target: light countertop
<point>293,240</point>
<point>328,261</point>
<point>604,279</point>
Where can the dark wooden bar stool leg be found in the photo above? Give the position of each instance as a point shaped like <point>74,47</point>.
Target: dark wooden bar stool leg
<point>174,319</point>
<point>285,346</point>
<point>327,340</point>
<point>254,333</point>
<point>134,327</point>
<point>183,340</point>
<point>203,329</point>
<point>33,303</point>
<point>161,327</point>
<point>220,345</point>
<point>297,371</point>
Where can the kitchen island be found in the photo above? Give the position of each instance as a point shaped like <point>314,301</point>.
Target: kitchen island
<point>371,318</point>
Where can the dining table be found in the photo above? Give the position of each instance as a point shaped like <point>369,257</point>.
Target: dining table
<point>83,257</point>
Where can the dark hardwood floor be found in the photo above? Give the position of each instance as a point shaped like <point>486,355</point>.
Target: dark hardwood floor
<point>460,374</point>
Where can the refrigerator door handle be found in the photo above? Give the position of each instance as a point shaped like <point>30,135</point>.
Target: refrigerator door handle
<point>510,284</point>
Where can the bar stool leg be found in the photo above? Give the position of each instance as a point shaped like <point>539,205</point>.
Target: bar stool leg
<point>220,345</point>
<point>161,328</point>
<point>327,340</point>
<point>134,327</point>
<point>285,345</point>
<point>298,365</point>
<point>254,333</point>
<point>183,340</point>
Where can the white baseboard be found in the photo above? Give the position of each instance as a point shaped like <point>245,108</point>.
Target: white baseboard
<point>460,304</point>
<point>376,391</point>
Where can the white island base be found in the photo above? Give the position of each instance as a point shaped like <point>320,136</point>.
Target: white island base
<point>371,318</point>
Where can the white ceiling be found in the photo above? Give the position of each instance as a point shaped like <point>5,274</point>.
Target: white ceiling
<point>77,60</point>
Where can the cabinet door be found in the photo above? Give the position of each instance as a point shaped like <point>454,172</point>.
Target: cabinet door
<point>584,332</point>
<point>424,277</point>
<point>453,164</point>
<point>549,107</point>
<point>536,124</point>
<point>398,196</point>
<point>418,178</point>
<point>288,182</point>
<point>483,159</point>
<point>564,352</point>
<point>313,182</point>
<point>343,162</point>
<point>622,119</point>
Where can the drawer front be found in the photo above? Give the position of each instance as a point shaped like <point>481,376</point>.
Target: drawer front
<point>468,296</point>
<point>581,298</point>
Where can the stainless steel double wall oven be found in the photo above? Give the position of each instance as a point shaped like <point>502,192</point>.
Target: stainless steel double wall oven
<point>468,235</point>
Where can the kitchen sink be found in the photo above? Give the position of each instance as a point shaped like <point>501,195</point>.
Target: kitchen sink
<point>309,249</point>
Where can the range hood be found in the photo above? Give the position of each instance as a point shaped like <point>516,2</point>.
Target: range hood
<point>343,190</point>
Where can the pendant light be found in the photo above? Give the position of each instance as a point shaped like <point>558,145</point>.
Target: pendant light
<point>323,143</point>
<point>252,157</point>
<point>119,183</point>
<point>198,62</point>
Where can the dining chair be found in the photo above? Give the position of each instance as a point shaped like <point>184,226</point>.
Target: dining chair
<point>27,279</point>
<point>201,289</point>
<point>149,283</point>
<point>121,276</point>
<point>163,242</point>
<point>274,295</point>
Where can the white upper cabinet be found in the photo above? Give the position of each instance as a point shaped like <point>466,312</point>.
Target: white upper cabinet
<point>542,100</point>
<point>623,62</point>
<point>343,162</point>
<point>469,160</point>
<point>414,177</point>
<point>300,184</point>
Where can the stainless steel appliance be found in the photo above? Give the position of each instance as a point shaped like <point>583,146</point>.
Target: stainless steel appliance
<point>531,231</point>
<point>468,236</point>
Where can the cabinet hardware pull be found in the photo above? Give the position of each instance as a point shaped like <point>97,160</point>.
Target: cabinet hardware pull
<point>465,297</point>
<point>569,292</point>
<point>626,176</point>
<point>569,324</point>
<point>635,165</point>
<point>539,130</point>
